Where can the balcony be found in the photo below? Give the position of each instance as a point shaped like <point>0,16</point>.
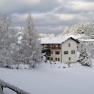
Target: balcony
<point>52,46</point>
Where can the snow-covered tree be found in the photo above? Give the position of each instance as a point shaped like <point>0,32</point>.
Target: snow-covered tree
<point>82,28</point>
<point>16,49</point>
<point>84,58</point>
<point>8,41</point>
<point>4,38</point>
<point>30,46</point>
<point>19,47</point>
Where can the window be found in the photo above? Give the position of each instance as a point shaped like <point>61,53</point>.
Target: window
<point>77,47</point>
<point>69,58</point>
<point>51,58</point>
<point>55,59</point>
<point>69,45</point>
<point>65,52</point>
<point>72,51</point>
<point>59,46</point>
<point>57,52</point>
<point>48,58</point>
<point>58,59</point>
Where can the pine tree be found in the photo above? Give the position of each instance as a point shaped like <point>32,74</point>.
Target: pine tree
<point>31,49</point>
<point>84,58</point>
<point>4,39</point>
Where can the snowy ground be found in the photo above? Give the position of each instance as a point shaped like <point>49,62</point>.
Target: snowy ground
<point>52,79</point>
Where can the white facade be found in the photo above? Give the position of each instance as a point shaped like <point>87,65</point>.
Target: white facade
<point>69,51</point>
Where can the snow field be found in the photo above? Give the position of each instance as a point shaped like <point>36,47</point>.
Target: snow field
<point>52,79</point>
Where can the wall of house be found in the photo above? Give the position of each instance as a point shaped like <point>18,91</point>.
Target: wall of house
<point>54,48</point>
<point>54,56</point>
<point>68,46</point>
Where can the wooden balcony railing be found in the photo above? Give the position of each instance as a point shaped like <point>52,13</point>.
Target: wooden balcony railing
<point>11,87</point>
<point>52,46</point>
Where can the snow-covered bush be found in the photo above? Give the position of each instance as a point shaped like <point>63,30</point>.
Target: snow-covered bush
<point>44,59</point>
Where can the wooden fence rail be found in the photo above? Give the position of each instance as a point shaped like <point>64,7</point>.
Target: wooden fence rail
<point>11,87</point>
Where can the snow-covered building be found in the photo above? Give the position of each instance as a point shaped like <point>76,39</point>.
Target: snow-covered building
<point>61,49</point>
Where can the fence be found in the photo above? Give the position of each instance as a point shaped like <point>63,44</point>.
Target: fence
<point>11,87</point>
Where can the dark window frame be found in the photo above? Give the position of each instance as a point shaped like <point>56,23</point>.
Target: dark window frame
<point>65,52</point>
<point>72,51</point>
<point>51,58</point>
<point>69,58</point>
<point>58,59</point>
<point>57,52</point>
<point>69,44</point>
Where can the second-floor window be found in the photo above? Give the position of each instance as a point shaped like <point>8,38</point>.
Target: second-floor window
<point>69,45</point>
<point>57,52</point>
<point>72,51</point>
<point>65,52</point>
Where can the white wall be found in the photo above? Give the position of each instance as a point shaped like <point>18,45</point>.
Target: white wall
<point>65,47</point>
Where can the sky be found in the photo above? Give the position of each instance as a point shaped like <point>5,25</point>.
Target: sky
<point>49,16</point>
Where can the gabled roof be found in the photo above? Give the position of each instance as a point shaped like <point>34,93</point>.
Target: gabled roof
<point>71,38</point>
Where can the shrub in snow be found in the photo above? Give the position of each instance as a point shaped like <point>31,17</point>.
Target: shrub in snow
<point>64,67</point>
<point>44,57</point>
<point>24,66</point>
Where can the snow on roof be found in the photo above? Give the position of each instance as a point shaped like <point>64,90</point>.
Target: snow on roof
<point>62,38</point>
<point>77,36</point>
<point>56,40</point>
<point>53,40</point>
<point>87,40</point>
